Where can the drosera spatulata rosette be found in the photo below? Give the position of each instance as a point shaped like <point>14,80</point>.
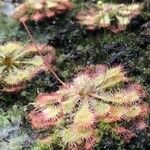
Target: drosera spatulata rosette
<point>73,113</point>
<point>38,10</point>
<point>20,63</point>
<point>114,17</point>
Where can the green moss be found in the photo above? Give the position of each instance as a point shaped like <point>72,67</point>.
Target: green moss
<point>10,30</point>
<point>40,146</point>
<point>12,134</point>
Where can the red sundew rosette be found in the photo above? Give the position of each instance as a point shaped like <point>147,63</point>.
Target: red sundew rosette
<point>88,18</point>
<point>21,13</point>
<point>48,55</point>
<point>38,118</point>
<point>37,15</point>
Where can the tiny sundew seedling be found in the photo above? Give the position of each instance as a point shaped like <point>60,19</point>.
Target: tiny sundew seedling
<point>73,113</point>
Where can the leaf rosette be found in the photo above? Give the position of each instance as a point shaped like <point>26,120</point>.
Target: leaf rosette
<point>19,63</point>
<point>91,98</point>
<point>114,17</point>
<point>38,10</point>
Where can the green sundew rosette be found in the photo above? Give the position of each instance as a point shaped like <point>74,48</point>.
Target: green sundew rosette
<point>19,64</point>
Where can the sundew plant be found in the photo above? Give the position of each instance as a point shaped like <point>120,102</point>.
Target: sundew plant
<point>38,10</point>
<point>73,113</point>
<point>113,16</point>
<point>20,63</point>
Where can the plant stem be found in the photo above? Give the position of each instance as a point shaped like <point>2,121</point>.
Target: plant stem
<point>38,50</point>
